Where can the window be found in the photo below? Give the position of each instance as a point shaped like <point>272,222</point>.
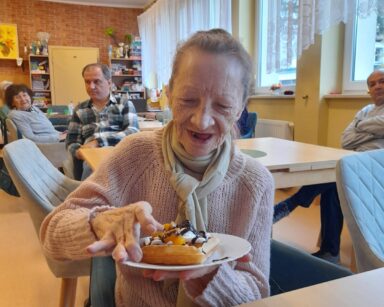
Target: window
<point>276,41</point>
<point>364,48</point>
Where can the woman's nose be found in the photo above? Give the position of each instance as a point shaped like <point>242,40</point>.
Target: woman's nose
<point>202,118</point>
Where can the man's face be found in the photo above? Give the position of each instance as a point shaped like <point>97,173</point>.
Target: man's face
<point>97,87</point>
<point>376,87</point>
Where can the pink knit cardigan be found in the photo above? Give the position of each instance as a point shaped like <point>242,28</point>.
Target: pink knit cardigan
<point>242,206</point>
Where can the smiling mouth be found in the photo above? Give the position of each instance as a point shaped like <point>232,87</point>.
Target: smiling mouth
<point>201,136</point>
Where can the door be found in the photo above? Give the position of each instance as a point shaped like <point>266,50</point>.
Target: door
<point>66,64</point>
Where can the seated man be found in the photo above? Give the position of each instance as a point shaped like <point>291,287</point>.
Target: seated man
<point>365,132</point>
<point>99,121</point>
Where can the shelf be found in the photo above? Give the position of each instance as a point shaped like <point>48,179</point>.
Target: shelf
<point>126,75</point>
<point>130,91</point>
<point>39,77</point>
<point>129,59</point>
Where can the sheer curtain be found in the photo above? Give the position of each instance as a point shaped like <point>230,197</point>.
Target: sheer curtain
<point>314,17</point>
<point>166,23</point>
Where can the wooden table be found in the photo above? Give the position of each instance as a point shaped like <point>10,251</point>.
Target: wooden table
<point>148,125</point>
<point>364,289</point>
<point>294,163</point>
<point>291,163</point>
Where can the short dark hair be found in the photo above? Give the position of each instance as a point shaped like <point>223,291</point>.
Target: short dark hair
<point>217,41</point>
<point>104,69</point>
<point>15,89</point>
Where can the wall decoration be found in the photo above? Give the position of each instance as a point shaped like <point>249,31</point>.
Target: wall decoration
<point>9,45</point>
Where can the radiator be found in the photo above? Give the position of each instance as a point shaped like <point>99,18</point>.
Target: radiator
<point>274,128</point>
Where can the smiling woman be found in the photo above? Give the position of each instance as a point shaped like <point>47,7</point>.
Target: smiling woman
<point>189,170</point>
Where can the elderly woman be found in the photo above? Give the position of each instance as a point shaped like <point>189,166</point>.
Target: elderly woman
<point>188,170</point>
<point>29,120</point>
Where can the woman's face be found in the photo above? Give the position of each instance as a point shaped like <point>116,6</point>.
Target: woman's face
<point>22,101</point>
<point>206,100</point>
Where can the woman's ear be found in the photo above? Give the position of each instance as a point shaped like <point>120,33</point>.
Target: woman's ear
<point>168,95</point>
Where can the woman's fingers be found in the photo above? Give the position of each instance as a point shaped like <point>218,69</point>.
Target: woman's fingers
<point>245,258</point>
<point>119,254</point>
<point>105,244</point>
<point>143,214</point>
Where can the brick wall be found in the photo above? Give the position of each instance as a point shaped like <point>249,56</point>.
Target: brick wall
<point>68,25</point>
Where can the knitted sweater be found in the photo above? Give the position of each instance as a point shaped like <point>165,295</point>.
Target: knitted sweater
<point>34,125</point>
<point>366,131</point>
<point>242,205</point>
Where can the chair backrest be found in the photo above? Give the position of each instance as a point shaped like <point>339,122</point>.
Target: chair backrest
<point>56,153</point>
<point>13,132</point>
<point>42,187</point>
<point>360,186</point>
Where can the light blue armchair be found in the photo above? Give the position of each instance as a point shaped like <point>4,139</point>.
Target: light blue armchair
<point>360,184</point>
<point>43,187</point>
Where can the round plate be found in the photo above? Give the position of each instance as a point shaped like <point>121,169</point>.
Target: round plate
<point>229,249</point>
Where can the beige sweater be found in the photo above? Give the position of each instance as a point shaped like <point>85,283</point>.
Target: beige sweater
<point>242,205</point>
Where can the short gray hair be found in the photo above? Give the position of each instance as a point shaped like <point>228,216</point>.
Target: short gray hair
<point>104,69</point>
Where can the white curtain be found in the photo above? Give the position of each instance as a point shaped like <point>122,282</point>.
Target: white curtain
<point>166,23</point>
<point>314,17</point>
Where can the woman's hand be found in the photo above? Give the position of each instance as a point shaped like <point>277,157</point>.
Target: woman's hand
<point>119,231</point>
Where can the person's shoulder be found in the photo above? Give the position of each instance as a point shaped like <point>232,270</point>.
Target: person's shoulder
<point>368,107</point>
<point>140,141</point>
<point>254,172</point>
<point>15,114</point>
<point>83,104</point>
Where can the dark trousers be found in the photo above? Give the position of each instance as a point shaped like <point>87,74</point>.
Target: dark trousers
<point>292,269</point>
<point>330,212</point>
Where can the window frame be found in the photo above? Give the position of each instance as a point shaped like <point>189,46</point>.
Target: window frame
<point>350,40</point>
<point>258,52</point>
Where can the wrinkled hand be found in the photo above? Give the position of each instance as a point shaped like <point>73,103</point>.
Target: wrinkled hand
<point>119,231</point>
<point>62,136</point>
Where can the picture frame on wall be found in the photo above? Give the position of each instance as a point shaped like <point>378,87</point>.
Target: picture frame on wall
<point>9,42</point>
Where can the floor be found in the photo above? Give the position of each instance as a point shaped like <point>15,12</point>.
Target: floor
<point>25,279</point>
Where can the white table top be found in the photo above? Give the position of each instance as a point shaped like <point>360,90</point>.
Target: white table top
<point>364,289</point>
<point>291,155</point>
<point>148,125</point>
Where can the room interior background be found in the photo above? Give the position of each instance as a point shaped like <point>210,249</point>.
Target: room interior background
<point>67,24</point>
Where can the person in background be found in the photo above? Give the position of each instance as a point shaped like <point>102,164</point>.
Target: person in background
<point>365,132</point>
<point>30,121</point>
<point>4,110</point>
<point>190,169</point>
<point>99,121</point>
<point>242,123</point>
<point>3,86</point>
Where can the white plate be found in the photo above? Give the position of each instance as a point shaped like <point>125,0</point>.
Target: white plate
<point>230,248</point>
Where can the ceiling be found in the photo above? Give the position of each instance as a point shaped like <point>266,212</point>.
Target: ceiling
<point>109,3</point>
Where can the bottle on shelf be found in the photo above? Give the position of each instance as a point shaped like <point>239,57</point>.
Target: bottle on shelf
<point>71,107</point>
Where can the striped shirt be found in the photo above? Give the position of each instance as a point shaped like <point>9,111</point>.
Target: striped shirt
<point>108,127</point>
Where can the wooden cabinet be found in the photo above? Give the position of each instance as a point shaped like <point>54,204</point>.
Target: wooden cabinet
<point>126,73</point>
<point>40,79</point>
